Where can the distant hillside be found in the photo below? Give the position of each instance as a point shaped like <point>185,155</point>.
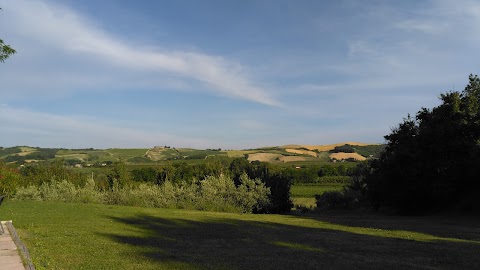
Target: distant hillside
<point>322,148</point>
<point>283,154</point>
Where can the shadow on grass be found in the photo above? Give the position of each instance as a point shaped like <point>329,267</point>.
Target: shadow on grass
<point>447,227</point>
<point>240,244</point>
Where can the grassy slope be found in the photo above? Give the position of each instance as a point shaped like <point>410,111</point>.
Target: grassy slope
<point>85,236</point>
<point>126,153</point>
<point>162,153</point>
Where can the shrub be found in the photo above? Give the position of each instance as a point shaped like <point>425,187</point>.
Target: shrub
<point>215,193</point>
<point>28,193</point>
<point>344,148</point>
<point>337,199</point>
<point>334,179</point>
<point>36,174</point>
<point>10,179</point>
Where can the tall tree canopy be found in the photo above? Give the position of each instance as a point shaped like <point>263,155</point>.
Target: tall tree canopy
<point>432,160</point>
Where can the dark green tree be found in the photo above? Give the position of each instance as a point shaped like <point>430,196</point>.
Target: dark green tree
<point>431,160</point>
<point>238,167</point>
<point>278,182</point>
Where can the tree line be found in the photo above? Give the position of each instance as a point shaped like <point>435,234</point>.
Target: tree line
<point>120,177</point>
<point>430,162</point>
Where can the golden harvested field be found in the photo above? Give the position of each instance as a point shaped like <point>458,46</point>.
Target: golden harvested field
<point>291,158</point>
<point>27,149</point>
<point>265,157</point>
<point>301,152</point>
<point>24,153</point>
<point>341,156</point>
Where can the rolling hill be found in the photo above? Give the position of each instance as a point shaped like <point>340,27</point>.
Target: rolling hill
<point>280,154</point>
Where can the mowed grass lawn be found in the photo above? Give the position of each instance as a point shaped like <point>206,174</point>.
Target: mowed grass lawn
<point>89,236</point>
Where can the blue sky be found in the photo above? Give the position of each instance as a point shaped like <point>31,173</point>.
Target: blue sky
<point>228,74</point>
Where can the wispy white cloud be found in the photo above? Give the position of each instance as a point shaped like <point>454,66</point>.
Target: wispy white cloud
<point>58,27</point>
<point>444,17</point>
<point>427,27</point>
<point>421,47</point>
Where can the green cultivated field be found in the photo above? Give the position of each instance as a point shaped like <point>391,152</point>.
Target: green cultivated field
<point>87,236</point>
<point>120,153</point>
<point>304,195</point>
<point>309,191</point>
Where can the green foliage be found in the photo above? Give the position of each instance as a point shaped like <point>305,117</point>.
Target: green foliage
<point>279,184</point>
<point>119,176</point>
<point>431,160</point>
<point>15,158</point>
<point>5,51</point>
<point>10,151</point>
<point>302,175</point>
<point>309,191</point>
<point>12,154</point>
<point>62,191</point>
<point>274,178</point>
<point>215,193</point>
<point>337,199</point>
<point>334,179</point>
<point>10,179</point>
<point>148,175</point>
<point>370,150</point>
<point>42,154</point>
<point>36,174</point>
<point>344,149</point>
<point>221,194</point>
<point>329,170</point>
